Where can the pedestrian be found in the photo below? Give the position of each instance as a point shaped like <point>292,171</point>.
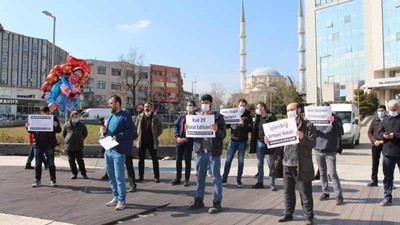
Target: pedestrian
<point>31,156</point>
<point>238,143</point>
<point>327,145</point>
<point>149,128</point>
<point>375,136</point>
<point>44,144</point>
<point>294,163</point>
<point>74,133</point>
<point>258,145</point>
<point>208,151</point>
<point>119,126</point>
<point>391,149</point>
<point>184,146</point>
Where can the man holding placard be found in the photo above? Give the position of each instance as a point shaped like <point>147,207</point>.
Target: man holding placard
<point>295,165</point>
<point>239,138</point>
<point>44,130</point>
<point>208,150</point>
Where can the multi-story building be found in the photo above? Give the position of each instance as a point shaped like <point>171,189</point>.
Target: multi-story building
<point>109,77</point>
<point>25,63</point>
<point>166,87</point>
<point>351,44</point>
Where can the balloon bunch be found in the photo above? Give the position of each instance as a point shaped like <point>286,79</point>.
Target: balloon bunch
<point>62,87</point>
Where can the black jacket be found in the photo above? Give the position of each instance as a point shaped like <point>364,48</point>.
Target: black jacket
<point>328,136</point>
<point>391,147</point>
<point>375,130</point>
<point>241,132</point>
<point>53,140</point>
<point>254,133</point>
<point>74,136</point>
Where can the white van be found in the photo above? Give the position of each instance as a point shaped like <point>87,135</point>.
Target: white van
<point>351,123</point>
<point>95,113</point>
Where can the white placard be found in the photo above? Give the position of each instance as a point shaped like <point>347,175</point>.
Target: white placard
<point>281,132</point>
<point>231,116</point>
<point>318,115</point>
<point>199,126</point>
<point>41,123</point>
<point>108,143</point>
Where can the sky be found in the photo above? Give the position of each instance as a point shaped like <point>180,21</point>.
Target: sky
<point>199,36</point>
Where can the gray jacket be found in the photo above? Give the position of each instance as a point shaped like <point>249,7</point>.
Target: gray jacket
<point>328,136</point>
<point>74,136</point>
<point>156,128</point>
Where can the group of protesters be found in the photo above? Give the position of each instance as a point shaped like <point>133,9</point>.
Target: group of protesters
<point>291,162</point>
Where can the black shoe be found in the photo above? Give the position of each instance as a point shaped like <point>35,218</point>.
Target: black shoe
<point>186,183</point>
<point>132,188</point>
<point>339,200</point>
<point>85,176</point>
<point>140,179</point>
<point>273,187</point>
<point>105,177</point>
<point>324,196</point>
<point>329,178</point>
<point>216,208</point>
<point>46,167</point>
<point>73,177</point>
<point>29,167</point>
<point>258,186</point>
<point>175,182</point>
<point>224,181</point>
<point>285,218</point>
<point>256,175</point>
<point>372,184</point>
<point>239,183</point>
<point>386,202</point>
<point>309,222</point>
<point>198,204</point>
<point>157,180</point>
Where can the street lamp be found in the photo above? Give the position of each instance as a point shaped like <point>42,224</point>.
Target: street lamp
<point>320,78</point>
<point>47,13</point>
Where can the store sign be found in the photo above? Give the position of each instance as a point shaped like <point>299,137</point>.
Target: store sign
<point>382,82</point>
<point>8,101</point>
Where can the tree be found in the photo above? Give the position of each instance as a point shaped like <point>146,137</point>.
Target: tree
<point>132,73</point>
<point>217,92</point>
<point>283,95</point>
<point>368,102</point>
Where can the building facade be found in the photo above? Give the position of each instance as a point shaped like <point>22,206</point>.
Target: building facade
<point>352,44</point>
<point>25,63</point>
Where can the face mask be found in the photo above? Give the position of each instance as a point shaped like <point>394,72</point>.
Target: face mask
<point>189,108</point>
<point>381,114</point>
<point>242,110</point>
<point>75,120</point>
<point>291,114</point>
<point>205,107</point>
<point>258,112</point>
<point>393,114</point>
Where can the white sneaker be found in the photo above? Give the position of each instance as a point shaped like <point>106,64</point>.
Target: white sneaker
<point>112,203</point>
<point>120,206</point>
<point>53,184</point>
<point>36,184</point>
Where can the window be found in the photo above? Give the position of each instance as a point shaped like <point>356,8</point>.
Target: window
<point>44,67</point>
<point>25,62</point>
<point>101,70</point>
<point>24,78</point>
<point>25,47</point>
<point>4,76</point>
<point>15,62</point>
<point>335,36</point>
<point>173,95</point>
<point>14,77</point>
<point>172,85</point>
<point>35,47</point>
<point>4,60</point>
<point>34,64</point>
<point>157,73</point>
<point>158,83</point>
<point>347,19</point>
<point>115,85</point>
<point>100,97</point>
<point>34,79</point>
<point>173,76</point>
<point>44,50</point>
<point>115,72</point>
<point>5,42</point>
<point>101,84</point>
<point>15,45</point>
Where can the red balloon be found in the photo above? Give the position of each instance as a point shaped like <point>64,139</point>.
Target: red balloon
<point>75,62</point>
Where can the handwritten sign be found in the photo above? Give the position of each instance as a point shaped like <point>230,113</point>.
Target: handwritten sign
<point>41,123</point>
<point>199,126</point>
<point>281,132</point>
<point>231,116</point>
<point>318,115</point>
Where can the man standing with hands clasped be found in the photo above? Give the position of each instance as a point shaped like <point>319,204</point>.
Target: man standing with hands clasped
<point>120,127</point>
<point>209,150</point>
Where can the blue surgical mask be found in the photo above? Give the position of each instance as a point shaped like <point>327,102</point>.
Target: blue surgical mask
<point>189,108</point>
<point>381,114</point>
<point>393,114</point>
<point>75,120</point>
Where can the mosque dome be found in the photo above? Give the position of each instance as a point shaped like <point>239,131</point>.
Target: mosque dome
<point>265,71</point>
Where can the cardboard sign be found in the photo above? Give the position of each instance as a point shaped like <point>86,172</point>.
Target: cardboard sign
<point>199,126</point>
<point>281,132</point>
<point>231,116</point>
<point>318,115</point>
<point>41,123</point>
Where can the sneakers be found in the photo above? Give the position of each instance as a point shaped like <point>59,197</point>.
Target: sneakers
<point>53,183</point>
<point>197,204</point>
<point>309,222</point>
<point>339,200</point>
<point>258,186</point>
<point>239,183</point>
<point>386,202</point>
<point>324,196</point>
<point>132,188</point>
<point>372,184</point>
<point>273,187</point>
<point>256,175</point>
<point>285,218</point>
<point>175,182</point>
<point>209,175</point>
<point>120,206</point>
<point>224,181</point>
<point>112,203</point>
<point>140,179</point>
<point>186,183</point>
<point>73,177</point>
<point>105,177</point>
<point>157,180</point>
<point>85,177</point>
<point>29,167</point>
<point>216,208</point>
<point>36,184</point>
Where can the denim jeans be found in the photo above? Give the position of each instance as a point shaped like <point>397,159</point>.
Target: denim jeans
<point>230,154</point>
<point>203,160</point>
<point>115,166</point>
<point>389,164</point>
<point>40,151</point>
<point>261,149</point>
<point>327,164</point>
<point>197,168</point>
